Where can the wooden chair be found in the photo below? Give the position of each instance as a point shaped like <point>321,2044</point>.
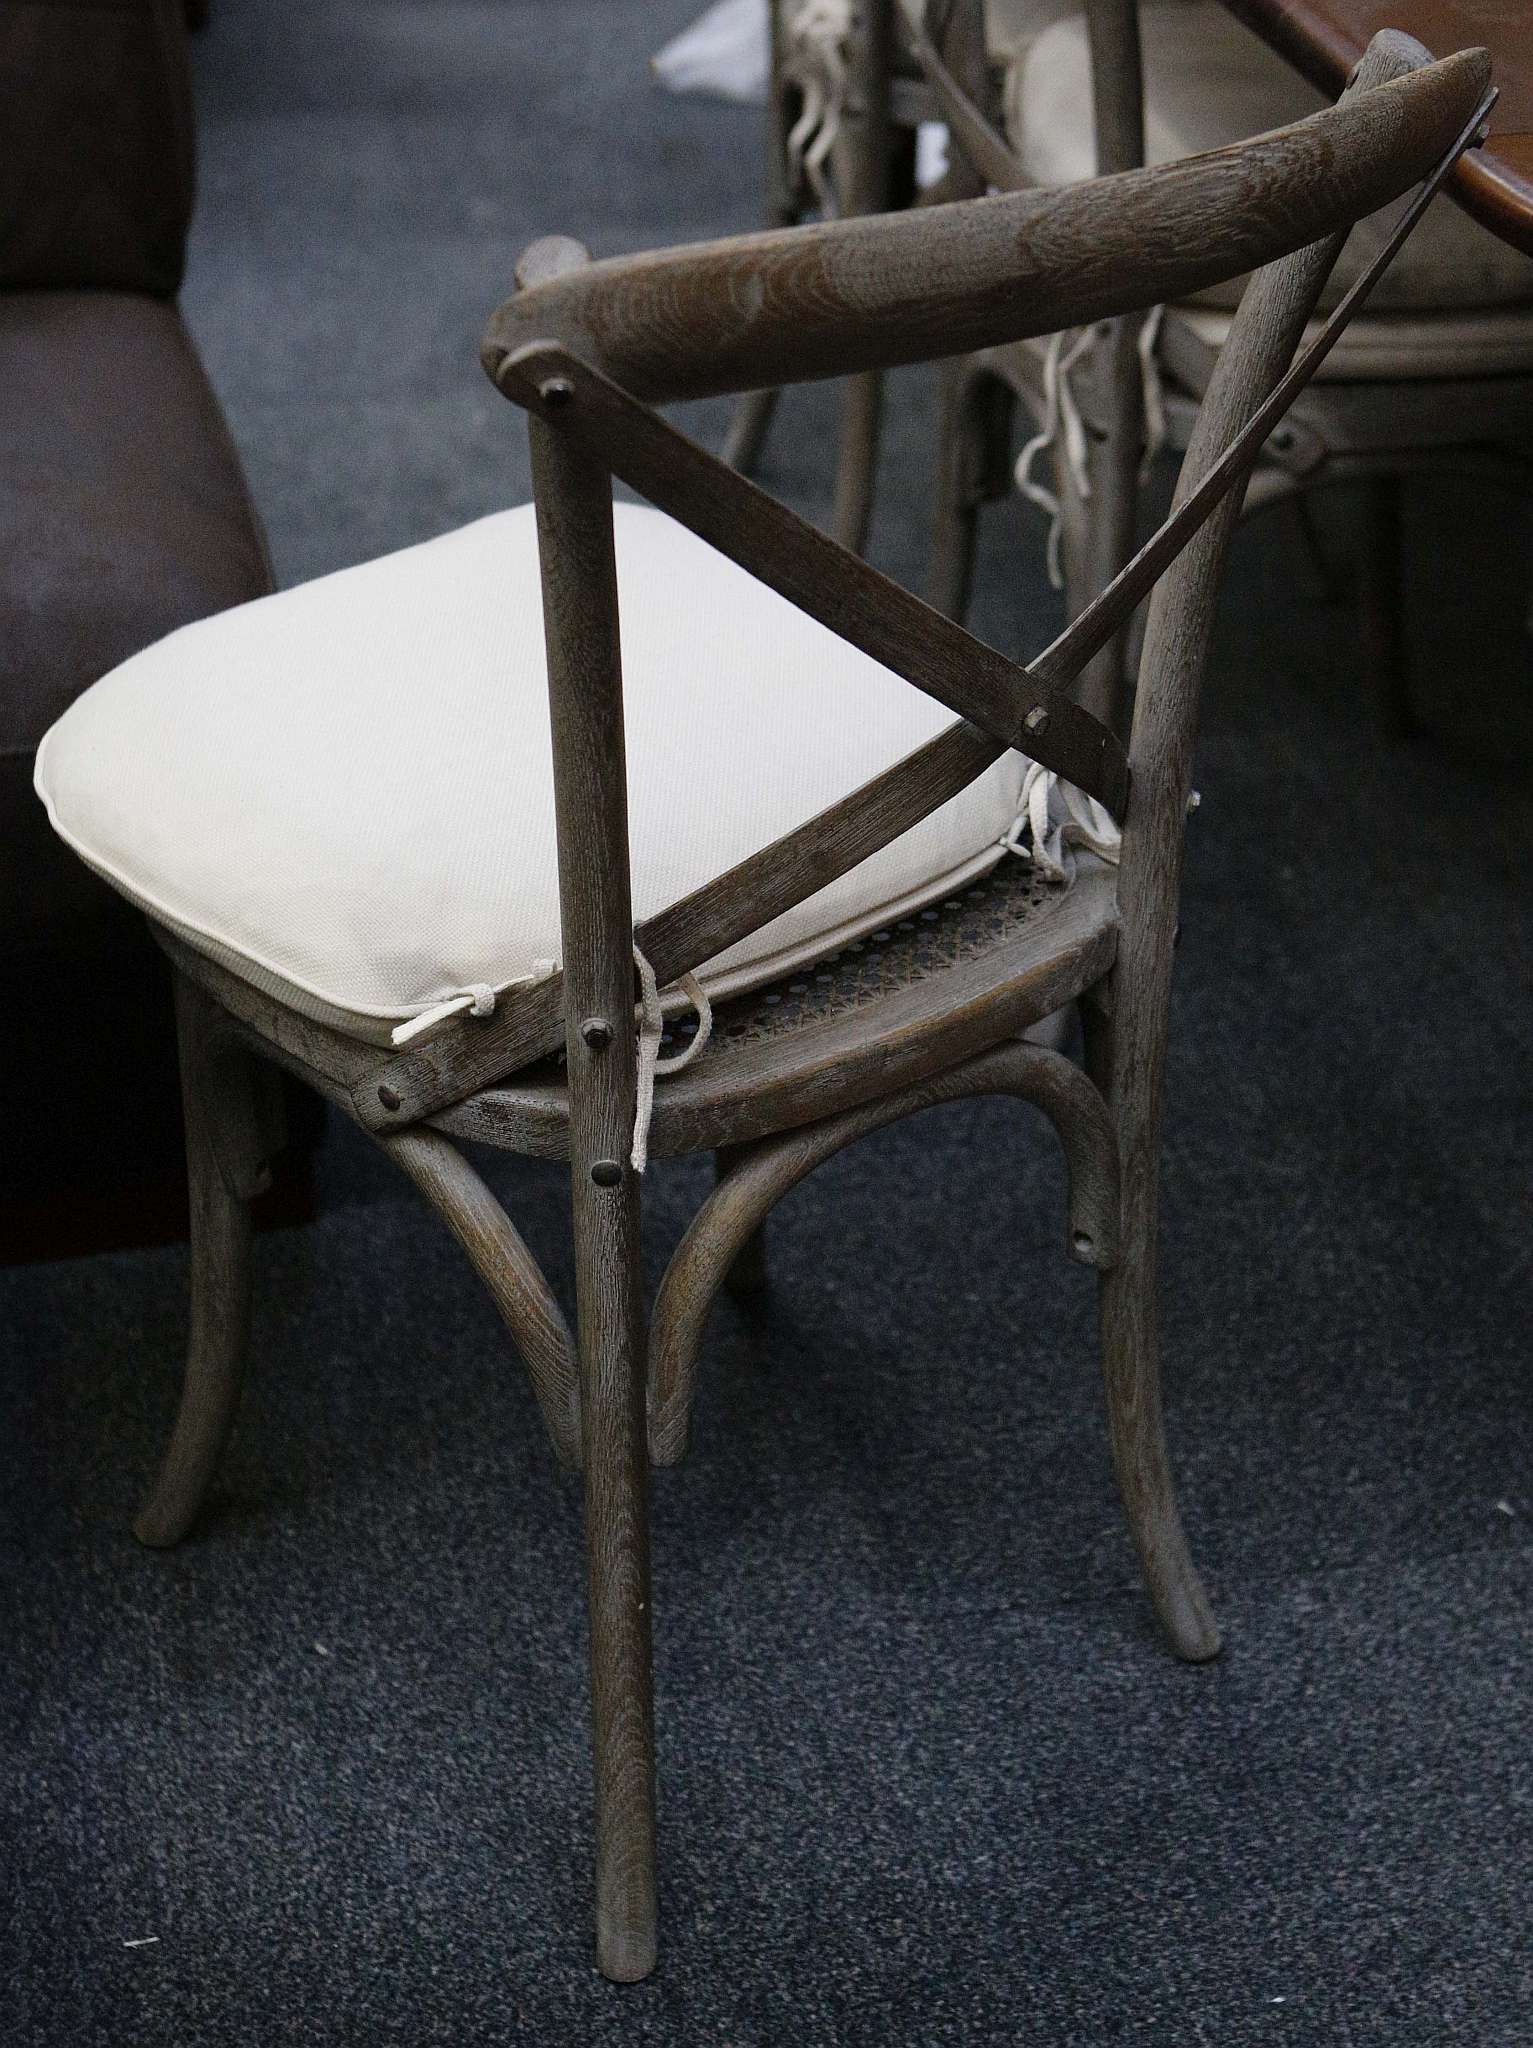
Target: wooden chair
<point>895,1023</point>
<point>1440,378</point>
<point>866,130</point>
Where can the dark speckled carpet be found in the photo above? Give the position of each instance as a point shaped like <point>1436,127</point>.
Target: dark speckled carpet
<point>927,1774</point>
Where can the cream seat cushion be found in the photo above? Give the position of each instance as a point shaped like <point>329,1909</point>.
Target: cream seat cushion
<point>344,792</point>
<point>1210,81</point>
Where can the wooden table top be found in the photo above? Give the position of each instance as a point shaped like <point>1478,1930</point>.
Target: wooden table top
<point>1325,38</point>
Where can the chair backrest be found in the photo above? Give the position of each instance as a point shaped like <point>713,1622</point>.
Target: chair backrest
<point>582,346</point>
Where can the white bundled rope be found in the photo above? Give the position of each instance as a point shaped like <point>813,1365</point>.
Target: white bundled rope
<point>651,1025</point>
<point>816,35</point>
<point>1061,418</point>
<point>1154,396</point>
<point>1062,421</point>
<point>1058,818</point>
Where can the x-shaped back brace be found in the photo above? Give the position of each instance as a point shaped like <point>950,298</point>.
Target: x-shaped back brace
<point>1001,703</point>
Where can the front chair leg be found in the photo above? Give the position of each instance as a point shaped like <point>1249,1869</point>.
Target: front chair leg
<point>231,1130</point>
<point>616,1464</point>
<point>1131,1367</point>
<point>748,1274</point>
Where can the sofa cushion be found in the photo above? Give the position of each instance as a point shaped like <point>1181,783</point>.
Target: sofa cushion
<point>1210,81</point>
<point>344,792</point>
<point>123,514</point>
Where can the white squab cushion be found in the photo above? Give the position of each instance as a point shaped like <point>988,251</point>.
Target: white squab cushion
<point>345,792</point>
<point>1210,81</point>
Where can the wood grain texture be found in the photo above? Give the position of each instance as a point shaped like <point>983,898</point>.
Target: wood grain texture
<point>573,496</point>
<point>732,1217</point>
<point>869,293</point>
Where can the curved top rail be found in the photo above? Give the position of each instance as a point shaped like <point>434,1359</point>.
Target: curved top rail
<point>884,289</point>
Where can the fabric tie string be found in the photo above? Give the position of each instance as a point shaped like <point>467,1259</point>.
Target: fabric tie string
<point>651,1025</point>
<point>815,38</point>
<point>1058,818</point>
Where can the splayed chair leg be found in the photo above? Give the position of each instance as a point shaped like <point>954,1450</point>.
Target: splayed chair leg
<point>1130,1322</point>
<point>748,1274</point>
<point>1131,1368</point>
<point>615,1458</point>
<point>232,1110</point>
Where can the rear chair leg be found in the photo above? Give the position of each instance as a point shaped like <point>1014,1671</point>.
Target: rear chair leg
<point>748,430</point>
<point>973,465</point>
<point>748,1274</point>
<point>1130,1322</point>
<point>231,1106</point>
<point>1131,1368</point>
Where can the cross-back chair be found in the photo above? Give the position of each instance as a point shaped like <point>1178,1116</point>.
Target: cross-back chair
<point>897,1020</point>
<point>1438,379</point>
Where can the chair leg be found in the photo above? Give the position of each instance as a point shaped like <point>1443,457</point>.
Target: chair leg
<point>748,430</point>
<point>748,1275</point>
<point>1131,1369</point>
<point>973,466</point>
<point>616,1462</point>
<point>228,1137</point>
<point>862,406</point>
<point>1381,600</point>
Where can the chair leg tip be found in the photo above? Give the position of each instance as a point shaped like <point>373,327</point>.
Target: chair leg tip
<point>159,1531</point>
<point>1190,1626</point>
<point>625,1955</point>
<point>1200,1648</point>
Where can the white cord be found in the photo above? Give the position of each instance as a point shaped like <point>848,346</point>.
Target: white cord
<point>815,38</point>
<point>1058,818</point>
<point>651,1024</point>
<point>1061,416</point>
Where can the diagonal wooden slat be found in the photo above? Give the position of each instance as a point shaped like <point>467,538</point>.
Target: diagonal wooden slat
<point>471,1053</point>
<point>814,572</point>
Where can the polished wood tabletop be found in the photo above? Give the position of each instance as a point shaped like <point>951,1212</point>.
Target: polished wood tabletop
<point>1325,38</point>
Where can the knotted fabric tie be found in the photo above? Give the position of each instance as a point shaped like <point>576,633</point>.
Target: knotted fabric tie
<point>1063,423</point>
<point>1058,817</point>
<point>651,1024</point>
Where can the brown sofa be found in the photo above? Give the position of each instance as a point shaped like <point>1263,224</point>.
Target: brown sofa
<point>123,514</point>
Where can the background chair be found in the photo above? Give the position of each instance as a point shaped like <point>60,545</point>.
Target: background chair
<point>1438,375</point>
<point>844,104</point>
<point>582,348</point>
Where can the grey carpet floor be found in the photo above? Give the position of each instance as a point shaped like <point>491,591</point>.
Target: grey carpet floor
<point>927,1774</point>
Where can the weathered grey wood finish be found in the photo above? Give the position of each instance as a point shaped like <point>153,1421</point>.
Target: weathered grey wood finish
<point>765,310</point>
